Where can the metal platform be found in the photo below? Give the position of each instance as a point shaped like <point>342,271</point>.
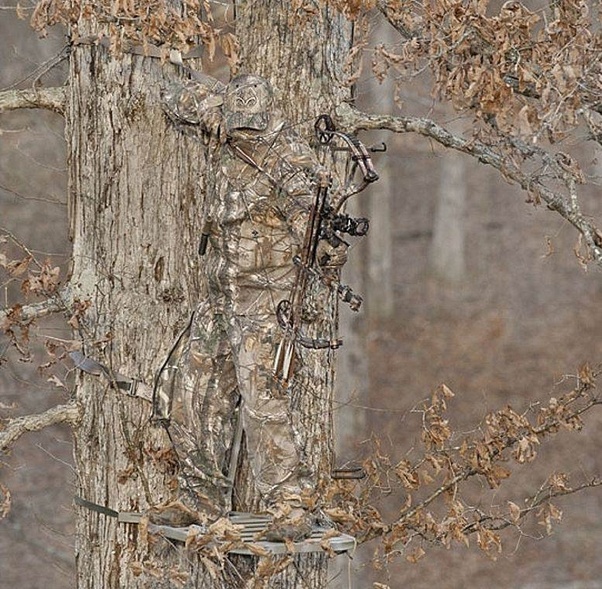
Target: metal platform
<point>250,527</point>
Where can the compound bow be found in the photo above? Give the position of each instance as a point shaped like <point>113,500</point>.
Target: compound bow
<point>326,222</point>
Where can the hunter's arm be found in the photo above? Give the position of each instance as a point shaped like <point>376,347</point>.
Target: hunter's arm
<point>195,102</point>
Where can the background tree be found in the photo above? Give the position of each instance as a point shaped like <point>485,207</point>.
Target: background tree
<point>133,198</point>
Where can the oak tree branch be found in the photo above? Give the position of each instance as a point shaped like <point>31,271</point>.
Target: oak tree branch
<point>354,120</point>
<point>53,99</point>
<point>14,428</point>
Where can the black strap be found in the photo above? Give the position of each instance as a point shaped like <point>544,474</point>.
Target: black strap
<point>95,507</point>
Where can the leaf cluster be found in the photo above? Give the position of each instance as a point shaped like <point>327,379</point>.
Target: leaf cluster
<point>532,73</point>
<point>157,22</point>
<point>429,490</point>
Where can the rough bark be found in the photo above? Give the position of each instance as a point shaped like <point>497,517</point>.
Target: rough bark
<point>13,429</point>
<point>60,302</point>
<point>47,98</point>
<point>133,199</point>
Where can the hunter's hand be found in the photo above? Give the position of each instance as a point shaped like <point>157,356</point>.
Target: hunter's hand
<point>329,256</point>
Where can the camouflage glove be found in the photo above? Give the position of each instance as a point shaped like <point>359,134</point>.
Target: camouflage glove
<point>194,103</point>
<point>329,256</point>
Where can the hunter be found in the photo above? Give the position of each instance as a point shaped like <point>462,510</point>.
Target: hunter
<point>261,185</point>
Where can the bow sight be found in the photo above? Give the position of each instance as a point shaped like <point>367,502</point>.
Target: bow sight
<point>354,226</point>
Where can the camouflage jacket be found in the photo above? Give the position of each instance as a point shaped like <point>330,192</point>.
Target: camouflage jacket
<point>260,190</point>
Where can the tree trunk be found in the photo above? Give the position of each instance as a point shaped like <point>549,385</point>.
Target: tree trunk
<point>380,302</point>
<point>447,255</point>
<point>135,194</point>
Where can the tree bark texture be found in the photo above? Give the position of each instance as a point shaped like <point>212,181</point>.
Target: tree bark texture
<point>134,195</point>
<point>136,191</point>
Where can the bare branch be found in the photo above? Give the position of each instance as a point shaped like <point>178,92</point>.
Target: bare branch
<point>34,311</point>
<point>352,119</point>
<point>53,99</point>
<point>499,523</point>
<point>59,302</point>
<point>15,428</point>
<point>388,11</point>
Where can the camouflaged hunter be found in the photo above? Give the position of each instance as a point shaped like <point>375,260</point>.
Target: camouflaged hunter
<point>261,185</point>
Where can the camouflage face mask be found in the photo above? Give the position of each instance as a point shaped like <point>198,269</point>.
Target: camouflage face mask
<point>247,102</point>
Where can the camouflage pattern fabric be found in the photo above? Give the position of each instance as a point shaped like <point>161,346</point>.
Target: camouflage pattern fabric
<point>262,181</point>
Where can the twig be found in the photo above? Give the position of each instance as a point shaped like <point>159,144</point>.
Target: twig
<point>499,523</point>
<point>388,12</point>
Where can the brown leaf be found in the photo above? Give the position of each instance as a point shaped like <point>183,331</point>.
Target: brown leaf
<point>339,515</point>
<point>586,374</point>
<point>54,379</point>
<point>415,555</point>
<point>515,511</point>
<point>137,568</point>
<point>380,67</point>
<point>497,474</point>
<point>489,542</point>
<point>231,49</point>
<point>256,549</point>
<point>446,392</point>
<point>408,478</point>
<point>19,267</point>
<point>20,11</point>
<point>525,450</point>
<point>547,514</point>
<point>559,482</point>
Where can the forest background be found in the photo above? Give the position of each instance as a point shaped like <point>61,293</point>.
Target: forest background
<point>509,324</point>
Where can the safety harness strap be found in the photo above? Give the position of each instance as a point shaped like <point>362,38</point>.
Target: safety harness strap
<point>130,386</point>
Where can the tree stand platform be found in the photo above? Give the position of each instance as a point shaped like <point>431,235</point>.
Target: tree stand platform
<point>250,528</point>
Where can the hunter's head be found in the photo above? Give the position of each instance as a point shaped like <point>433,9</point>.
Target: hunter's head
<point>247,103</point>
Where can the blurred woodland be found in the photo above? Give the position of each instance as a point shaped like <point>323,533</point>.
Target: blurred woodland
<point>508,319</point>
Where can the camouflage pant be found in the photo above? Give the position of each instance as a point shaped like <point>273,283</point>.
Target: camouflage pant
<point>220,364</point>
